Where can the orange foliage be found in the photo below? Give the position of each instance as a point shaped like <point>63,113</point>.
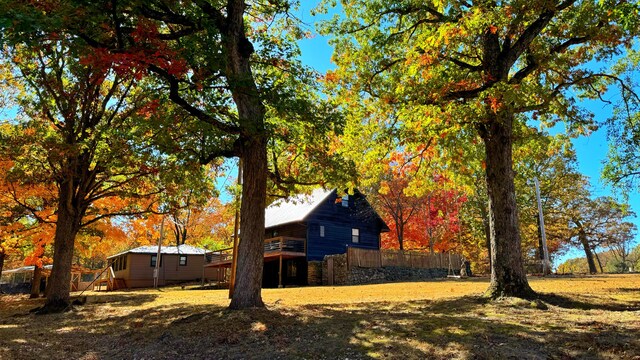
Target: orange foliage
<point>420,222</point>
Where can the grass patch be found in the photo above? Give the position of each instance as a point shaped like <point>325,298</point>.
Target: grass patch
<point>575,317</point>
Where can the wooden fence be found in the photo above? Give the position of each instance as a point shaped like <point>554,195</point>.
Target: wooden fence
<point>380,258</point>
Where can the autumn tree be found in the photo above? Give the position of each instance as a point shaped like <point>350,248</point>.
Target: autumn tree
<point>23,236</point>
<point>77,135</point>
<point>477,66</point>
<point>233,66</point>
<point>395,205</point>
<point>620,238</point>
<point>623,165</point>
<point>596,223</point>
<point>552,160</point>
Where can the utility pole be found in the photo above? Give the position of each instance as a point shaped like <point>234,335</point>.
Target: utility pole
<point>546,266</point>
<point>156,271</point>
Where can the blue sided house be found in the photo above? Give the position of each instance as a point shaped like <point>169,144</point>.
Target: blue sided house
<point>305,228</point>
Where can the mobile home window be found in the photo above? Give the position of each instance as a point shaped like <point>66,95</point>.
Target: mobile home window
<point>355,235</point>
<point>183,260</point>
<point>154,258</point>
<point>321,230</point>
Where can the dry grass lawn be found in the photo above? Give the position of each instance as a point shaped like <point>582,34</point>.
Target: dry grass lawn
<point>592,317</point>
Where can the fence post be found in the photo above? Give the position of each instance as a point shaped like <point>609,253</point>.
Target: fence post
<point>348,258</point>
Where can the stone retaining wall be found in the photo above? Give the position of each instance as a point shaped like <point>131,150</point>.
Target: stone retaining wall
<point>314,273</point>
<point>360,275</point>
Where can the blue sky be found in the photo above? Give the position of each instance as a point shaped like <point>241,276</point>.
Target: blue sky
<point>591,150</point>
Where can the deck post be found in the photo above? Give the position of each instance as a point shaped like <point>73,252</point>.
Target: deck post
<point>280,273</point>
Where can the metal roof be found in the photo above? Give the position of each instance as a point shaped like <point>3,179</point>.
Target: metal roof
<point>25,269</point>
<point>169,250</point>
<point>295,208</point>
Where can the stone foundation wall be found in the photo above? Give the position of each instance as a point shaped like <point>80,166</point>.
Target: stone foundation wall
<point>359,275</point>
<point>340,272</point>
<point>314,273</point>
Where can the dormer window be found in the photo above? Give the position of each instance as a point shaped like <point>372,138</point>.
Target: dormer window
<point>345,201</point>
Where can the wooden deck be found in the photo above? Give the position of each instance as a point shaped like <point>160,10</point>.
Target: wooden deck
<point>278,247</point>
<point>108,281</point>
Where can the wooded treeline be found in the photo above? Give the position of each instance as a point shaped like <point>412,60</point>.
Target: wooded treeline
<point>125,111</point>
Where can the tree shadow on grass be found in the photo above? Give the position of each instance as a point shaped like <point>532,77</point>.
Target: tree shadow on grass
<point>465,327</point>
<point>119,299</point>
<point>631,290</point>
<point>473,328</point>
<point>587,303</point>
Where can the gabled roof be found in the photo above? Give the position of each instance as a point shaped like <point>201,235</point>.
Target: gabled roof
<point>74,269</point>
<point>169,250</point>
<point>24,269</point>
<point>295,208</point>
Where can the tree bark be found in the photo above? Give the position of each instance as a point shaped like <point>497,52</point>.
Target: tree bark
<point>508,276</point>
<point>582,237</point>
<point>35,282</point>
<point>400,233</point>
<point>253,139</point>
<point>67,227</point>
<point>248,284</point>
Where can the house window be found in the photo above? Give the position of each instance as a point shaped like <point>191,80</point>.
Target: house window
<point>124,262</point>
<point>345,201</point>
<point>154,258</point>
<point>355,235</point>
<point>183,260</point>
<point>321,230</point>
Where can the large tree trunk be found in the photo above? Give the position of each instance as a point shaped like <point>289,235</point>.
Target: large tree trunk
<point>248,284</point>
<point>508,277</point>
<point>67,227</point>
<point>587,252</point>
<point>35,282</point>
<point>253,139</point>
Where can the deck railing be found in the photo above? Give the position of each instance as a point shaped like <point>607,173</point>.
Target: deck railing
<point>271,245</point>
<point>220,256</point>
<point>107,278</point>
<point>285,243</point>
